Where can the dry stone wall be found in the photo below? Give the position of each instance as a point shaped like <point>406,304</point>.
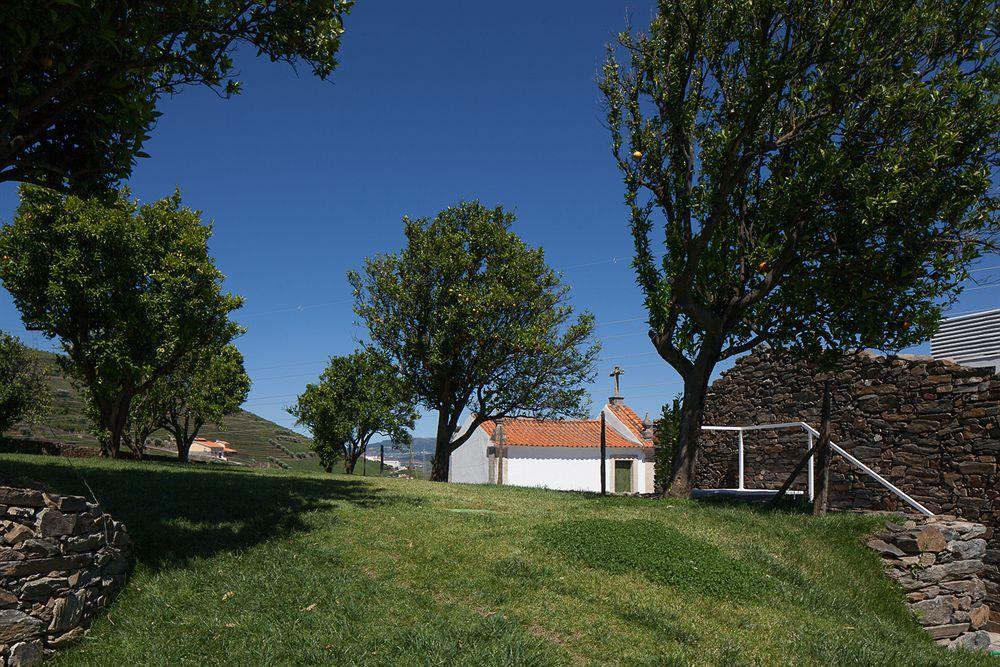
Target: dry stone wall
<point>932,427</point>
<point>938,562</point>
<point>61,561</point>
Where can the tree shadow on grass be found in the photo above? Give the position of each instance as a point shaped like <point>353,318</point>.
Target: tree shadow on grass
<point>176,513</point>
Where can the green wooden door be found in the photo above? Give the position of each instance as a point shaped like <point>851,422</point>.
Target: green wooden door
<point>623,477</point>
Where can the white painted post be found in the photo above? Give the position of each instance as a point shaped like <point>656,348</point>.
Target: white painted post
<point>740,432</point>
<point>811,467</point>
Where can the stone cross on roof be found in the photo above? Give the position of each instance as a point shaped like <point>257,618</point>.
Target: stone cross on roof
<point>616,374</point>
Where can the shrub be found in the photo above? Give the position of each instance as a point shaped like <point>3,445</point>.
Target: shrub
<point>667,430</point>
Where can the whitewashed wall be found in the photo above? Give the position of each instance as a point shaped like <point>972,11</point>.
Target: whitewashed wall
<point>468,463</point>
<point>570,468</point>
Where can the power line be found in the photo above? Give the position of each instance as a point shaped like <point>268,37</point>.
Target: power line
<point>299,308</point>
<point>985,268</point>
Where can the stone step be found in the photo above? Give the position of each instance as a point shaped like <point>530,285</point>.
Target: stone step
<point>995,642</point>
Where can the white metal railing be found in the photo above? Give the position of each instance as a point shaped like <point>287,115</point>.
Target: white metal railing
<point>812,434</point>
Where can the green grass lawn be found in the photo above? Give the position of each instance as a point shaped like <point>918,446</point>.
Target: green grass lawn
<point>251,568</point>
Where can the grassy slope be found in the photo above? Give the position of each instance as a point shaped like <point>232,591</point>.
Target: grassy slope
<point>351,571</point>
<point>249,434</point>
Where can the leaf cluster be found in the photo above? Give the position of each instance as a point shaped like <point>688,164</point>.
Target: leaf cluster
<point>130,291</point>
<point>821,170</point>
<point>358,396</point>
<point>23,395</point>
<point>474,318</point>
<point>82,78</point>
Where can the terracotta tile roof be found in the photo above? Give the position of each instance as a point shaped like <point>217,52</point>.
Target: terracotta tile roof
<point>211,444</point>
<point>630,419</point>
<point>557,433</point>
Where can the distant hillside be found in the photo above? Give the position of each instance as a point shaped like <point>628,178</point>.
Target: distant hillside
<point>421,447</point>
<point>251,435</point>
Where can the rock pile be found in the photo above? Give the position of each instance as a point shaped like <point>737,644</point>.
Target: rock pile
<point>938,561</point>
<point>61,561</point>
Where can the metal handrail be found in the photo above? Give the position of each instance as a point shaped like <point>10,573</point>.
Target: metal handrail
<point>813,433</point>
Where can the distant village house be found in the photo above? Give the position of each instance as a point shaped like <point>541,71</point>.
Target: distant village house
<point>216,449</point>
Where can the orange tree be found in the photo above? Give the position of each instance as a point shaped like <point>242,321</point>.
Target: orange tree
<point>357,397</point>
<point>81,79</point>
<point>475,320</point>
<point>788,151</point>
<point>128,290</point>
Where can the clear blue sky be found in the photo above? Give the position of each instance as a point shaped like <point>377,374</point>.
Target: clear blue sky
<point>433,102</point>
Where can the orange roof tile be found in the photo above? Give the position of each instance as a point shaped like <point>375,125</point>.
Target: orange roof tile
<point>211,444</point>
<point>630,419</point>
<point>557,433</point>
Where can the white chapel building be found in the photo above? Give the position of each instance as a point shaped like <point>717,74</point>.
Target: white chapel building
<point>560,453</point>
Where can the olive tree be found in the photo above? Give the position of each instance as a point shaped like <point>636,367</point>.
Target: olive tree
<point>358,396</point>
<point>23,395</point>
<point>82,79</point>
<point>128,291</point>
<point>476,320</point>
<point>785,150</point>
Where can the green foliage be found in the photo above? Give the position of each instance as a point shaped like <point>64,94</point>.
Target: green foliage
<point>358,396</point>
<point>207,386</point>
<point>82,79</point>
<point>22,390</point>
<point>475,319</point>
<point>129,291</point>
<point>821,172</point>
<point>667,434</point>
<point>658,552</point>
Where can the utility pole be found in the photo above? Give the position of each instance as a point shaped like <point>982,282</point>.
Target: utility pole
<point>501,439</point>
<point>604,454</point>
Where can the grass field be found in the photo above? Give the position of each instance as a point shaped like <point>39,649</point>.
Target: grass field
<point>251,567</point>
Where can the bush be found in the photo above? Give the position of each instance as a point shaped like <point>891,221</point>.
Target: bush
<point>667,429</point>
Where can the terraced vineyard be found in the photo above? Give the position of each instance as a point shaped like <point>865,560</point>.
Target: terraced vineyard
<point>251,435</point>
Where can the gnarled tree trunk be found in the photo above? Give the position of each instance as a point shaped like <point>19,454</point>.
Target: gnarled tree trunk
<point>685,461</point>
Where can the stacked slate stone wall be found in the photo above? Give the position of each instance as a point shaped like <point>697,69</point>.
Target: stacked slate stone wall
<point>938,563</point>
<point>61,561</point>
<point>931,427</point>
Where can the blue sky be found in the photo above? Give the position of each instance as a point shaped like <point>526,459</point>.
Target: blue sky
<point>433,102</point>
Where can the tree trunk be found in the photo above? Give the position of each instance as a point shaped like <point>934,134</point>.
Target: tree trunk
<point>803,462</point>
<point>351,457</point>
<point>823,455</point>
<point>442,448</point>
<point>183,449</point>
<point>685,460</point>
<point>112,447</point>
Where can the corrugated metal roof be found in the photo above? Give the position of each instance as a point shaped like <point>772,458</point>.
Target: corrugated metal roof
<point>972,339</point>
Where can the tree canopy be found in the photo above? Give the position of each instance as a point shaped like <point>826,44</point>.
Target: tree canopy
<point>23,394</point>
<point>358,396</point>
<point>128,290</point>
<point>475,320</point>
<point>208,385</point>
<point>82,79</point>
<point>820,172</point>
